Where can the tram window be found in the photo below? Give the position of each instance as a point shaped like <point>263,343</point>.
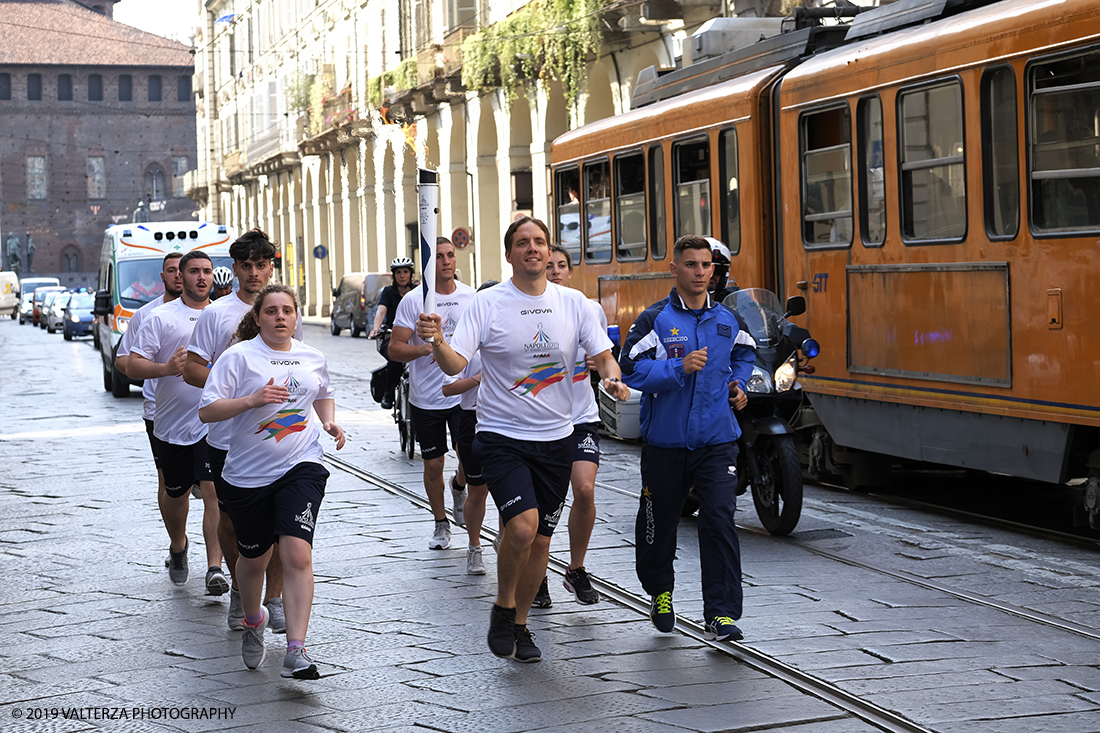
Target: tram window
<point>730,190</point>
<point>933,175</point>
<point>567,186</point>
<point>630,206</point>
<point>1000,156</point>
<point>1065,144</point>
<point>597,212</point>
<point>691,168</point>
<point>658,242</point>
<point>872,187</point>
<point>826,144</point>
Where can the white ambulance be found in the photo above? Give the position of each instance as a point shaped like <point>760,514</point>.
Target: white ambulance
<point>129,277</point>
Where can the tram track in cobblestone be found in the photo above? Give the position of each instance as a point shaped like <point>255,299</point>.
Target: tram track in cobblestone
<point>969,597</point>
<point>853,704</point>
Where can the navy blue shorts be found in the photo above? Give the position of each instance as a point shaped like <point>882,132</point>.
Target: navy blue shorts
<point>289,506</point>
<point>586,442</point>
<point>526,474</point>
<point>471,461</point>
<point>182,465</point>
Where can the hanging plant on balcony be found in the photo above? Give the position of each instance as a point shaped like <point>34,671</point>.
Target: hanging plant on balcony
<point>548,40</point>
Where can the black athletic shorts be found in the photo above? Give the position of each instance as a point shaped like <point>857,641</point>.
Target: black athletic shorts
<point>182,465</point>
<point>526,474</point>
<point>586,442</point>
<point>471,462</point>
<point>431,428</point>
<point>216,457</point>
<point>152,441</point>
<point>289,506</point>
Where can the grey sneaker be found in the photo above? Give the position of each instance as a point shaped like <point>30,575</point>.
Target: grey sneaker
<point>278,619</point>
<point>216,582</point>
<point>177,564</point>
<point>441,540</point>
<point>298,665</point>
<point>252,645</point>
<point>458,497</point>
<point>496,544</point>
<point>474,564</point>
<point>236,610</point>
<point>196,491</point>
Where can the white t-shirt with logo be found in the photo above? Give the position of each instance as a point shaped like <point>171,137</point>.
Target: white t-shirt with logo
<point>160,335</point>
<point>267,441</point>
<point>215,330</point>
<point>528,347</point>
<point>469,397</point>
<point>425,376</point>
<point>585,409</point>
<point>125,345</point>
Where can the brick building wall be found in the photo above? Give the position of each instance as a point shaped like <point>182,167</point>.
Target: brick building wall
<point>82,143</point>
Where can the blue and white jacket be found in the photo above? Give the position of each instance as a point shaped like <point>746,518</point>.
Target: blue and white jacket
<point>678,410</point>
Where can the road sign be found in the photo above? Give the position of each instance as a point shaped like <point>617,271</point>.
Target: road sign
<point>320,252</point>
<point>461,237</point>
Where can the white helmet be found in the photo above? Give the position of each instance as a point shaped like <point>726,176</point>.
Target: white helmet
<point>223,276</point>
<point>399,262</point>
<point>720,252</point>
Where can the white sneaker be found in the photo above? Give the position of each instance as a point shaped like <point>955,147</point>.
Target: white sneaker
<point>474,563</point>
<point>459,500</point>
<point>441,540</point>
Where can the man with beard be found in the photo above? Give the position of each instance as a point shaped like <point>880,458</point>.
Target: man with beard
<point>160,352</point>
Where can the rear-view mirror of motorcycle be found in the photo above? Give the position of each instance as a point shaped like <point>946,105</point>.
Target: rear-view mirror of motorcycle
<point>796,306</point>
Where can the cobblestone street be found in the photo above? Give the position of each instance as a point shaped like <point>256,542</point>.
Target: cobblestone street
<point>92,623</point>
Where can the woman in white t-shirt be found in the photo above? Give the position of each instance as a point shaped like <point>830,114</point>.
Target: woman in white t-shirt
<point>267,385</point>
<point>586,454</point>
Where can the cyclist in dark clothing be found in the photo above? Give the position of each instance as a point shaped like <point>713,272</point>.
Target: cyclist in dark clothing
<point>401,268</point>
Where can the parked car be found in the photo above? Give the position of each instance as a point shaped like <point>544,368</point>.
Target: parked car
<point>46,312</point>
<point>55,311</point>
<point>79,320</point>
<point>40,295</point>
<point>354,300</point>
<point>27,286</point>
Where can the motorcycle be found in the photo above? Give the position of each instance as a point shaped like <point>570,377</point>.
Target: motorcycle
<point>768,459</point>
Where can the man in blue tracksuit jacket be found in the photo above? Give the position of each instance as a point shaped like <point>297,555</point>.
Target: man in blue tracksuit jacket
<point>690,357</point>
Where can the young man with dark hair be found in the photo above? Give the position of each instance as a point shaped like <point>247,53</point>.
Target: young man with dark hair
<point>527,331</point>
<point>253,263</point>
<point>159,352</point>
<point>690,359</point>
<point>433,414</point>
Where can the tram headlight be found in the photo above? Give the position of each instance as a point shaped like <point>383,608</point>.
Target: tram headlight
<point>122,324</point>
<point>786,375</point>
<point>759,382</point>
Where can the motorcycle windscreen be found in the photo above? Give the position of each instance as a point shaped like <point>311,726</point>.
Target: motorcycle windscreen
<point>761,312</point>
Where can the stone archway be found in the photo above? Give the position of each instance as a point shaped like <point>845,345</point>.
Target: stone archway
<point>598,100</point>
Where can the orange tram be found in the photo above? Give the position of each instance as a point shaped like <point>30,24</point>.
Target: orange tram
<point>928,177</point>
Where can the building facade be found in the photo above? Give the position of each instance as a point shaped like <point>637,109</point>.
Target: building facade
<point>314,116</point>
<point>96,116</point>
